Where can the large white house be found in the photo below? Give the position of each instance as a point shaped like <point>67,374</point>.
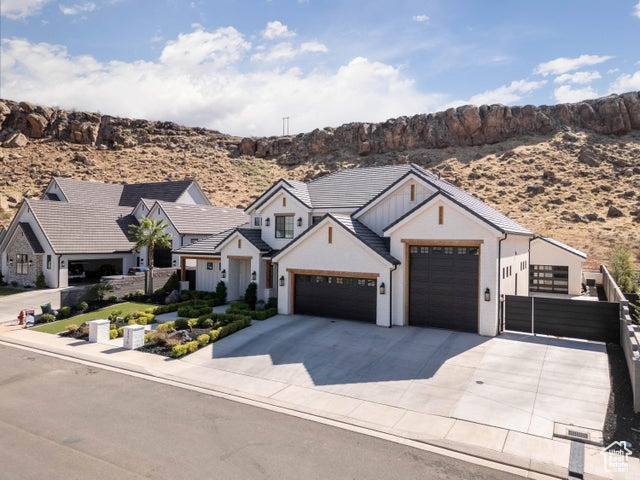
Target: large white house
<point>393,245</point>
<point>79,229</point>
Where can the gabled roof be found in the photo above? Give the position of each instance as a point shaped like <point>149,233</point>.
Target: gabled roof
<point>561,245</point>
<point>31,238</point>
<point>254,236</point>
<point>79,228</point>
<point>92,192</point>
<point>299,192</point>
<point>202,219</point>
<point>355,228</point>
<point>3,232</point>
<point>206,246</point>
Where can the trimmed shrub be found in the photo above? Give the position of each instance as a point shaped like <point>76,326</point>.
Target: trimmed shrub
<point>120,331</point>
<point>65,312</point>
<point>48,318</point>
<point>112,326</point>
<point>263,314</point>
<point>273,302</point>
<point>112,299</point>
<point>113,316</point>
<point>203,340</point>
<point>40,281</point>
<point>181,324</point>
<point>193,311</point>
<point>221,292</point>
<point>183,349</point>
<point>113,334</point>
<point>166,327</point>
<point>82,306</point>
<point>72,328</point>
<point>251,295</point>
<point>185,295</point>
<point>206,323</point>
<point>230,328</point>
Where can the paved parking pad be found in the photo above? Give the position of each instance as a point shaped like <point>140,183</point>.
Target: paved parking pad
<point>516,382</point>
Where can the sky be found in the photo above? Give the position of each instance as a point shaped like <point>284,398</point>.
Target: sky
<point>239,67</point>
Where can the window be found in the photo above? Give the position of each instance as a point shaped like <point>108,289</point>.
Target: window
<point>239,243</point>
<point>284,201</point>
<point>412,194</point>
<point>549,278</point>
<point>257,221</point>
<point>22,265</point>
<point>209,265</point>
<point>440,215</point>
<point>284,226</point>
<point>48,262</point>
<point>330,233</point>
<point>194,240</point>
<point>315,219</point>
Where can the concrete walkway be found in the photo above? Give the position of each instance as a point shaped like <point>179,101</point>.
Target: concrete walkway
<point>494,398</point>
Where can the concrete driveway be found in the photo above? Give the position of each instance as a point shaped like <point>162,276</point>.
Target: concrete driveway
<point>516,382</point>
<point>10,305</point>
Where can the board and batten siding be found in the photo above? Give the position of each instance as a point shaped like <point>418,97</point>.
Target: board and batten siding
<point>394,206</point>
<point>207,279</point>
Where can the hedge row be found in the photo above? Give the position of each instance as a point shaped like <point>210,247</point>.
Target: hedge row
<point>214,335</point>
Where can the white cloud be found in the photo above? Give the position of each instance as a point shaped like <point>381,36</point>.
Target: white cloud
<point>276,29</point>
<point>567,94</point>
<point>284,51</point>
<point>636,10</point>
<point>217,89</point>
<point>563,65</point>
<point>577,77</point>
<point>420,18</point>
<point>505,94</point>
<point>18,9</point>
<point>626,83</point>
<point>78,8</point>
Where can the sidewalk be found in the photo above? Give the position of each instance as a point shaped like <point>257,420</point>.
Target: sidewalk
<point>537,455</point>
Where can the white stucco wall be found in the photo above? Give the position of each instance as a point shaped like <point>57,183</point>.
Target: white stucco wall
<point>236,286</point>
<point>458,225</point>
<point>274,207</point>
<point>395,204</point>
<point>514,259</point>
<point>544,253</point>
<point>193,196</point>
<point>344,254</point>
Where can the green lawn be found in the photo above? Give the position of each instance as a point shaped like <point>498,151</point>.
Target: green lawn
<point>61,325</point>
<point>4,291</point>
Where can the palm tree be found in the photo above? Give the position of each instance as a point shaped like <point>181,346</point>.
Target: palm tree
<point>149,234</point>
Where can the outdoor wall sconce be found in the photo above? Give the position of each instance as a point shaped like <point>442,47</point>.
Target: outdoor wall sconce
<point>487,295</point>
<point>299,221</point>
<point>383,289</point>
<point>253,276</point>
<point>282,280</point>
<point>267,222</point>
<point>10,261</point>
<point>61,263</point>
<point>223,274</point>
<point>31,263</point>
<point>175,263</point>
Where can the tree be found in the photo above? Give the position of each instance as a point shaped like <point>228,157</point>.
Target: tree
<point>622,269</point>
<point>150,233</point>
<point>99,290</point>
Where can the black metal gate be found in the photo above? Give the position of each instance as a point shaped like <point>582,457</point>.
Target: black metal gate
<point>598,321</point>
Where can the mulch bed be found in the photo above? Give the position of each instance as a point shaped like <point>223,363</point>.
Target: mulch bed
<point>621,423</point>
<point>166,351</point>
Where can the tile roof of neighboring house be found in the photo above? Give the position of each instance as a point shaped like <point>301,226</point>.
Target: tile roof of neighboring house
<point>300,190</point>
<point>558,244</point>
<point>31,238</point>
<point>203,219</point>
<point>367,236</point>
<point>81,228</point>
<point>91,192</point>
<point>3,232</point>
<point>254,235</point>
<point>206,246</point>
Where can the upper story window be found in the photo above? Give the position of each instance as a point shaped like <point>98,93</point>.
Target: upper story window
<point>315,219</point>
<point>284,226</point>
<point>257,221</point>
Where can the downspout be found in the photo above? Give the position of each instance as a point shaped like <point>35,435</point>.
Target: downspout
<point>499,280</point>
<point>59,257</point>
<point>391,295</point>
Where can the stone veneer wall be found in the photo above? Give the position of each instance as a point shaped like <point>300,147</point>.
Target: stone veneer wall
<point>132,283</point>
<point>20,245</point>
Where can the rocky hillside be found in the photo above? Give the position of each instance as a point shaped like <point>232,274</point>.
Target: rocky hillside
<point>571,171</point>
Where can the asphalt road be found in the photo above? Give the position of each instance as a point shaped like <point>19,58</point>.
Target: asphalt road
<point>64,420</point>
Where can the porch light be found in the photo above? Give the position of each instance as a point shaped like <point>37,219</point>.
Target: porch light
<point>11,261</point>
<point>299,221</point>
<point>253,276</point>
<point>223,274</point>
<point>31,262</point>
<point>267,222</point>
<point>282,280</point>
<point>383,289</point>
<point>487,295</point>
<point>61,263</point>
<point>175,262</point>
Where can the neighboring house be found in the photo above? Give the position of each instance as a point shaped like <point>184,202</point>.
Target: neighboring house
<point>555,267</point>
<point>394,245</point>
<point>79,229</point>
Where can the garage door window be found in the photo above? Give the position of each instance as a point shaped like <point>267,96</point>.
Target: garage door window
<point>549,278</point>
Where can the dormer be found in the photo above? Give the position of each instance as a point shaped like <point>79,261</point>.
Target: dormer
<point>193,195</point>
<point>403,195</point>
<point>54,192</point>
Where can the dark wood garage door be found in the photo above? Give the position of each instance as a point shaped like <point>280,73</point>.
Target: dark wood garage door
<point>335,297</point>
<point>443,287</point>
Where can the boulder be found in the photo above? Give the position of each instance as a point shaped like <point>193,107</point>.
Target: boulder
<point>16,140</point>
<point>535,189</point>
<point>589,156</point>
<point>614,212</point>
<point>38,124</point>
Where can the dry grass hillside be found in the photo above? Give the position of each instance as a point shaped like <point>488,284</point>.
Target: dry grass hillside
<point>579,187</point>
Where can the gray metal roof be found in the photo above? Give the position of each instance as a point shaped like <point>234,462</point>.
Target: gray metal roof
<point>378,244</point>
<point>300,190</point>
<point>81,228</point>
<point>202,219</point>
<point>561,245</point>
<point>91,192</point>
<point>254,235</point>
<point>206,246</point>
<point>31,238</point>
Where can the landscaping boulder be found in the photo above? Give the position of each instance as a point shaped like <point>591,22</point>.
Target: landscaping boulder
<point>173,297</point>
<point>614,212</point>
